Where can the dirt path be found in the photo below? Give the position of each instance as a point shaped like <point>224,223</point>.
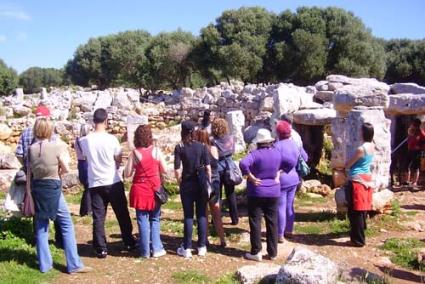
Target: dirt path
<point>122,267</point>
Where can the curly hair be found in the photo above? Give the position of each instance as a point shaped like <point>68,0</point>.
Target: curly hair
<point>143,136</point>
<point>220,127</point>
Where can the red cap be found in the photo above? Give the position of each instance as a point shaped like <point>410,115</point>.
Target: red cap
<point>283,129</point>
<point>42,111</point>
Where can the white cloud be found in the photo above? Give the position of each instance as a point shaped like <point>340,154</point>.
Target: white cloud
<point>14,14</point>
<point>3,39</point>
<point>21,36</point>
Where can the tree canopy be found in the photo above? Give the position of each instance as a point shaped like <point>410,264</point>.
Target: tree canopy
<point>34,78</point>
<point>250,44</point>
<point>8,79</point>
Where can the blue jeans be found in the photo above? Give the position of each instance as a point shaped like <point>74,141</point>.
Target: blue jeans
<point>149,231</point>
<point>190,194</point>
<point>63,218</point>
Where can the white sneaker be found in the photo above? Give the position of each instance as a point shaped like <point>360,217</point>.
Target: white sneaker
<point>159,253</point>
<point>255,257</point>
<point>202,251</point>
<point>186,253</point>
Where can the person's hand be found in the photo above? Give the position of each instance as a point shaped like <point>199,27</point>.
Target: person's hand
<point>277,178</point>
<point>254,180</point>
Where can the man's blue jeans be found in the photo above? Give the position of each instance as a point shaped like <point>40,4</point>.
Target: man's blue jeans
<point>149,231</point>
<point>64,220</point>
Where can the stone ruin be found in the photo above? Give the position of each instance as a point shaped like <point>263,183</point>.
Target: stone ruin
<point>339,103</point>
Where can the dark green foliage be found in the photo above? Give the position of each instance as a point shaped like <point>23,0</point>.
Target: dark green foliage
<point>169,63</point>
<point>405,61</point>
<point>250,44</point>
<point>8,79</point>
<point>236,45</point>
<point>34,78</point>
<point>314,42</point>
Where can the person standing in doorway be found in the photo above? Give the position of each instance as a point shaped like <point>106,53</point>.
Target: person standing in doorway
<point>103,154</point>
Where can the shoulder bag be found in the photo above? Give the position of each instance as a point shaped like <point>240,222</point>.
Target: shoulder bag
<point>28,209</point>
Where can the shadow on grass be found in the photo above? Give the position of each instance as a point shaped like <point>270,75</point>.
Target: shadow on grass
<point>24,257</point>
<point>403,274</point>
<point>414,207</point>
<point>321,239</point>
<point>317,216</point>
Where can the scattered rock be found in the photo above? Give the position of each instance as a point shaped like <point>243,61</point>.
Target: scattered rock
<point>306,267</point>
<point>322,116</point>
<point>9,161</point>
<point>259,273</point>
<point>70,180</point>
<point>5,131</point>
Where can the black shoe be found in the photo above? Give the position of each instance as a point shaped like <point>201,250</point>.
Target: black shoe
<point>101,254</point>
<point>132,247</point>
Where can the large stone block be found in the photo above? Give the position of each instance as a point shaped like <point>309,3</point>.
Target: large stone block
<point>321,116</point>
<point>104,100</point>
<point>306,267</point>
<point>403,88</point>
<point>371,82</point>
<point>406,104</point>
<point>236,120</point>
<point>5,131</point>
<point>362,95</point>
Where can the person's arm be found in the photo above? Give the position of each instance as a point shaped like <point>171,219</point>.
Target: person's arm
<point>129,167</point>
<point>245,165</point>
<point>177,164</point>
<point>162,164</point>
<point>207,162</point>
<point>63,158</point>
<point>19,153</point>
<point>118,154</point>
<point>214,152</point>
<point>303,154</point>
<point>357,155</point>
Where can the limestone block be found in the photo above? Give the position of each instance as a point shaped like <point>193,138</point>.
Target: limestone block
<point>324,96</point>
<point>133,121</point>
<point>371,82</point>
<point>314,116</point>
<point>406,104</point>
<point>236,121</point>
<point>267,104</point>
<point>104,100</point>
<point>5,131</point>
<point>259,273</point>
<point>403,88</point>
<point>362,95</point>
<point>306,267</point>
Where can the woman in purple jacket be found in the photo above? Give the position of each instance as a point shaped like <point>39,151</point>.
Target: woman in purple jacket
<point>262,167</point>
<point>288,181</point>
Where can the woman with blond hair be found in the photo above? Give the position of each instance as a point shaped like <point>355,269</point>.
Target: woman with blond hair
<point>226,148</point>
<point>48,160</point>
<point>201,135</point>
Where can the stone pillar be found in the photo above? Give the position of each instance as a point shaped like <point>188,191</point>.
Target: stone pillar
<point>43,95</point>
<point>347,138</point>
<point>133,121</point>
<point>236,121</point>
<point>19,94</point>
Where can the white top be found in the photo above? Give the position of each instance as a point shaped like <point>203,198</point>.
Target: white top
<point>100,150</point>
<point>297,138</point>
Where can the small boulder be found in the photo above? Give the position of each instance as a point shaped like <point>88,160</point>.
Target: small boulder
<point>306,267</point>
<point>259,273</point>
<point>5,131</point>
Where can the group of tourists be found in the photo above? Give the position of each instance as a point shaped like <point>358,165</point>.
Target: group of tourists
<point>271,170</point>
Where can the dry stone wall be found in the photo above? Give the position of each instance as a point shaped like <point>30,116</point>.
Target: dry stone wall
<point>340,101</point>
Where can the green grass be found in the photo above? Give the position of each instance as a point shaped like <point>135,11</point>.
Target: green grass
<point>172,188</point>
<point>404,252</point>
<point>229,278</point>
<point>17,255</point>
<point>74,198</point>
<point>309,229</point>
<point>172,226</point>
<point>2,195</point>
<point>304,199</point>
<point>173,205</point>
<point>239,156</point>
<point>395,208</point>
<point>190,276</point>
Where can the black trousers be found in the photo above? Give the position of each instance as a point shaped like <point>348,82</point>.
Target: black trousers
<point>231,199</point>
<point>257,206</point>
<point>100,197</point>
<point>357,226</point>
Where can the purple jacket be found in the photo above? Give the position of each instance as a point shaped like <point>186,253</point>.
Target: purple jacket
<point>290,151</point>
<point>264,164</point>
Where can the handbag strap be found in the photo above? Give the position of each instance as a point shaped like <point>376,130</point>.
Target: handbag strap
<point>28,181</point>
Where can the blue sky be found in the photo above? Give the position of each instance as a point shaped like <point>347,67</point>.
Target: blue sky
<point>46,33</point>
